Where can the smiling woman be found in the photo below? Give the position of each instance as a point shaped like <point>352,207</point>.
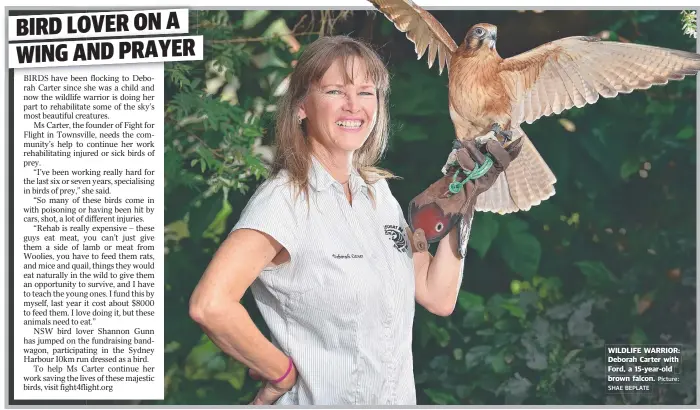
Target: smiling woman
<point>341,112</point>
<point>338,80</point>
<point>323,245</point>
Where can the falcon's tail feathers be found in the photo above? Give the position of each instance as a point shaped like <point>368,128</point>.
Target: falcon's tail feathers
<point>526,183</point>
<point>497,198</point>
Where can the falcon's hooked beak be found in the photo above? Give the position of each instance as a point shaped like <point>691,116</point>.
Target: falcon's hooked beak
<point>493,35</point>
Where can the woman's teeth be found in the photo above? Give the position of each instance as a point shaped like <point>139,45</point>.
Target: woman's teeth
<point>349,124</point>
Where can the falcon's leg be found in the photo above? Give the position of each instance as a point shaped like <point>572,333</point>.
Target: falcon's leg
<point>499,132</point>
<point>506,135</point>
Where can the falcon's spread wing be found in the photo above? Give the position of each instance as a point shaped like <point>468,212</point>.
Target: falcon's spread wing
<point>575,71</point>
<point>556,76</point>
<point>421,28</point>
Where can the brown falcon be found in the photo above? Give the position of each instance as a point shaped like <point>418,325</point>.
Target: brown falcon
<point>487,92</point>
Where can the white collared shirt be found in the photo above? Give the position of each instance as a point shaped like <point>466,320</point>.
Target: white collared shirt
<point>342,308</point>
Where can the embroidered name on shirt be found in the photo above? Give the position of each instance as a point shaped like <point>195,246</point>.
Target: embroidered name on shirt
<point>348,256</point>
<point>395,233</point>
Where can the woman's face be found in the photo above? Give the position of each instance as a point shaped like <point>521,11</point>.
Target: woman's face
<point>341,116</point>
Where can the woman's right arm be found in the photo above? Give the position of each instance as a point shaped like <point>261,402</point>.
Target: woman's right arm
<point>215,303</point>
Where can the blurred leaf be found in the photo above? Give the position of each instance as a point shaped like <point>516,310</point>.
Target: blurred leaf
<point>171,347</point>
<point>596,273</point>
<point>541,329</point>
<point>218,225</point>
<point>629,168</point>
<point>520,249</point>
<point>516,389</point>
<point>515,286</point>
<point>470,301</point>
<point>638,337</point>
<point>514,309</point>
<point>202,360</point>
<point>567,124</point>
<point>268,59</point>
<point>202,217</point>
<point>498,363</point>
<point>440,397</point>
<point>578,326</point>
<point>278,27</point>
<point>252,17</point>
<point>441,335</point>
<point>440,362</point>
<point>569,356</point>
<point>476,355</point>
<point>686,133</point>
<point>535,358</point>
<point>484,230</point>
<point>560,311</point>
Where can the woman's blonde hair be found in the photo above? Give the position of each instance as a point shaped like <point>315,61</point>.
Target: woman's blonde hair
<point>293,152</point>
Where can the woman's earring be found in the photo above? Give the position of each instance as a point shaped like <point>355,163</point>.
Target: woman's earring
<point>299,120</point>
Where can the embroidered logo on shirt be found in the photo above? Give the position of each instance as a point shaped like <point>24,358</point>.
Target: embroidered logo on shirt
<point>348,256</point>
<point>395,233</point>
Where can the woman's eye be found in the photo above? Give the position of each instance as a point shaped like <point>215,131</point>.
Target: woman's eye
<point>366,93</point>
<point>335,92</point>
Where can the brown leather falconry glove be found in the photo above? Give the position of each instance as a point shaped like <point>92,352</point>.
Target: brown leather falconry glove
<point>451,200</point>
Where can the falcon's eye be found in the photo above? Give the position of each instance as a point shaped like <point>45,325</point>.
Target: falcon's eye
<point>479,31</point>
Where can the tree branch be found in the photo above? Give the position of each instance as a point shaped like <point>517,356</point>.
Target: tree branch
<point>258,39</point>
<point>214,152</point>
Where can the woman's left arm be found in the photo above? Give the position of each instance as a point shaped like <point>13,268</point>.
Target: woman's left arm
<point>439,277</point>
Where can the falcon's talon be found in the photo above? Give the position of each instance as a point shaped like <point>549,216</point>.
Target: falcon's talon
<point>457,144</point>
<point>506,135</point>
<point>498,131</point>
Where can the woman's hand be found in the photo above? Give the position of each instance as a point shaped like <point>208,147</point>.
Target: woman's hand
<point>270,393</point>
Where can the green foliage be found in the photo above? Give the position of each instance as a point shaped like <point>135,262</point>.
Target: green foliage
<point>520,249</point>
<point>690,23</point>
<point>609,259</point>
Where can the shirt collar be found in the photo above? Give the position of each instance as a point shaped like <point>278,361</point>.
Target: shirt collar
<point>356,182</point>
<point>320,179</point>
